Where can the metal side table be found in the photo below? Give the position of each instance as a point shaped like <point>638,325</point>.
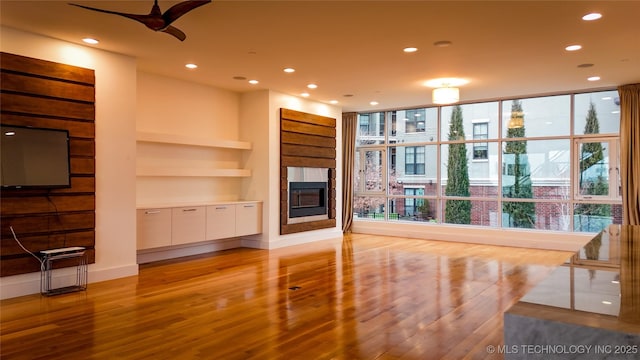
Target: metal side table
<point>77,253</point>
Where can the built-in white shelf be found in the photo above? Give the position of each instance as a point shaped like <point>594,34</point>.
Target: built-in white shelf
<point>192,172</point>
<point>191,141</point>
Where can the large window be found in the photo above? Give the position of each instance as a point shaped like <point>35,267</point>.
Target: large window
<point>543,163</point>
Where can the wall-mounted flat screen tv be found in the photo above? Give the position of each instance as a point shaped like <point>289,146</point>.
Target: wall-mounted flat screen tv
<point>34,157</point>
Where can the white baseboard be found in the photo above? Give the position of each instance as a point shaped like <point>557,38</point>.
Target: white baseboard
<point>532,239</point>
<point>301,238</point>
<point>171,252</point>
<point>28,284</point>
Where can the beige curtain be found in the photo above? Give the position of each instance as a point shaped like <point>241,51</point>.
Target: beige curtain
<point>630,152</point>
<point>349,127</point>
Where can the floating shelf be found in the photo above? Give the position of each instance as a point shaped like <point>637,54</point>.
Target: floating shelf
<point>191,141</point>
<point>192,172</point>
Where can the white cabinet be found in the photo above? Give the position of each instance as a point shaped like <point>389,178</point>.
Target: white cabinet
<point>166,226</point>
<point>221,221</point>
<point>187,225</point>
<point>153,228</point>
<point>248,218</point>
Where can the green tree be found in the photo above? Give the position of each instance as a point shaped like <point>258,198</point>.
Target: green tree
<point>592,154</point>
<point>457,211</point>
<point>516,173</point>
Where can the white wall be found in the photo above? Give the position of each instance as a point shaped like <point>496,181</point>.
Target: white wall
<point>262,126</point>
<point>171,106</point>
<point>115,155</point>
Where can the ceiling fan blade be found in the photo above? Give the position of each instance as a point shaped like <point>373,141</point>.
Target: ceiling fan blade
<point>171,30</point>
<point>182,8</point>
<point>140,18</point>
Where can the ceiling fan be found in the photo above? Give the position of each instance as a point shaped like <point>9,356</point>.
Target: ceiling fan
<point>156,20</point>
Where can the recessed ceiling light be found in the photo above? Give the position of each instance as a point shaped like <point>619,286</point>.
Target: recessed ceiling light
<point>312,86</point>
<point>289,70</point>
<point>333,101</point>
<point>592,16</point>
<point>253,82</point>
<point>573,47</point>
<point>304,94</point>
<point>442,43</point>
<point>91,41</point>
<point>593,78</point>
<point>374,103</point>
<point>410,49</point>
<point>191,66</point>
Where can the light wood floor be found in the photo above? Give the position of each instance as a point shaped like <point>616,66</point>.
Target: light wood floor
<point>361,297</point>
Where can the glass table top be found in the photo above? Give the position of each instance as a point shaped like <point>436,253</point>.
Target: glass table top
<point>602,278</point>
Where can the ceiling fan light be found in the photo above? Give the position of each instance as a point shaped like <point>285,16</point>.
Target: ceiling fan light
<point>90,41</point>
<point>445,95</point>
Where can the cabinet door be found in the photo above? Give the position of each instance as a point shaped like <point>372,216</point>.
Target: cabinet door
<point>221,221</point>
<point>153,228</point>
<point>248,218</point>
<point>187,225</point>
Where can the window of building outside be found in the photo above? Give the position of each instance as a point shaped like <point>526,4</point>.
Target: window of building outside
<point>542,163</point>
<point>480,132</point>
<point>414,160</point>
<point>415,120</point>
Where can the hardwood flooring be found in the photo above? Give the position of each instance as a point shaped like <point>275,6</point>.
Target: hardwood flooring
<point>361,297</point>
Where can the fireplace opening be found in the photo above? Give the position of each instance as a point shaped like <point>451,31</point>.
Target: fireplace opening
<point>307,198</point>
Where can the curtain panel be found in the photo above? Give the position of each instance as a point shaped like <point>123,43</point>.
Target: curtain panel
<point>630,152</point>
<point>349,126</point>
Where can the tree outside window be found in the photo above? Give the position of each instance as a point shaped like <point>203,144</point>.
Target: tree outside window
<point>516,175</point>
<point>457,211</point>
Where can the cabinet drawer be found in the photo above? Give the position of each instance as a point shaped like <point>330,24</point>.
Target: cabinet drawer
<point>248,219</point>
<point>153,228</point>
<point>221,221</point>
<point>187,225</point>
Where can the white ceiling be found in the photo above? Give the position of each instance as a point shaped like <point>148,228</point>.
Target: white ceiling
<point>504,48</point>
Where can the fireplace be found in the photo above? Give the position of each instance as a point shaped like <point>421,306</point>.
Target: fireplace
<point>307,198</point>
<point>307,194</point>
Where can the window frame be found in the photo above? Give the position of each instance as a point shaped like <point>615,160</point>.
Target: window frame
<point>613,171</point>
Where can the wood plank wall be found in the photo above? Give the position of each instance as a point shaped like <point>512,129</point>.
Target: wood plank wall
<point>307,140</point>
<point>45,94</point>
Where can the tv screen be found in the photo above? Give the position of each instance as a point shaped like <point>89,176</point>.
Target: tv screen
<point>33,157</point>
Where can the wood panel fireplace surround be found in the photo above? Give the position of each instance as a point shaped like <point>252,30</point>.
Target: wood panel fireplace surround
<point>307,172</point>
